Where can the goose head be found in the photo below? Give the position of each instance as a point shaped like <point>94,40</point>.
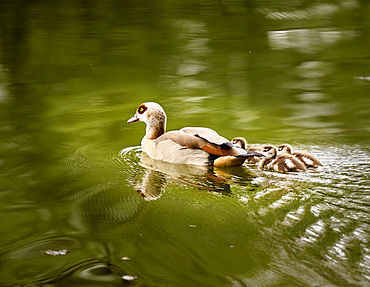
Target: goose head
<point>269,151</point>
<point>155,118</point>
<point>284,148</point>
<point>239,142</point>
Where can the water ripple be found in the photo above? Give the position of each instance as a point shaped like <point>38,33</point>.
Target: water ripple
<point>319,220</point>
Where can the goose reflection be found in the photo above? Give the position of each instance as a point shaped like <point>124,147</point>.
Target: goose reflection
<point>158,174</point>
<point>152,185</point>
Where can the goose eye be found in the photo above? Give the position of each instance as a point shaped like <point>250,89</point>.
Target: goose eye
<point>142,109</point>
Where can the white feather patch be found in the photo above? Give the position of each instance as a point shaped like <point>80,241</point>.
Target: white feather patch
<point>307,160</point>
<point>276,167</point>
<point>289,163</point>
<point>270,165</point>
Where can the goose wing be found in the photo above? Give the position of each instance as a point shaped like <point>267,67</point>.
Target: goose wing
<point>208,135</point>
<point>205,139</point>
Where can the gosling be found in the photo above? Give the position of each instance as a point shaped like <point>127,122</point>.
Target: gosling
<point>307,159</point>
<point>281,163</point>
<point>242,143</point>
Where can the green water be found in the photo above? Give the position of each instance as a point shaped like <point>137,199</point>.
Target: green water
<point>80,205</point>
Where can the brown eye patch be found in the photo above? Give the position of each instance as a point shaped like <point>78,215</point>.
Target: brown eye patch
<point>142,109</point>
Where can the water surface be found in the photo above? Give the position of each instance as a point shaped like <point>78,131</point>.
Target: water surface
<point>81,205</point>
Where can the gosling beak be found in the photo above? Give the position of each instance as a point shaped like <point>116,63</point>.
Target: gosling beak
<point>133,119</point>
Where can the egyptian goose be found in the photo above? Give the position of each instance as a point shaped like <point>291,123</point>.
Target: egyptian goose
<point>242,143</point>
<point>307,159</point>
<point>190,145</point>
<point>282,163</point>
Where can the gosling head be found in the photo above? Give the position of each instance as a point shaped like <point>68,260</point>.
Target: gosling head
<point>285,148</point>
<point>269,151</point>
<point>239,142</point>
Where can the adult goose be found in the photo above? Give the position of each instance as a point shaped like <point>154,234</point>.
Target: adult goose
<point>307,159</point>
<point>282,162</point>
<point>190,145</point>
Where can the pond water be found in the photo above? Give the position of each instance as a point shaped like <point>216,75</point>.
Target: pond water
<point>81,205</point>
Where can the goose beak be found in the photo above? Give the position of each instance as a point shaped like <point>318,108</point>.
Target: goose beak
<point>254,153</point>
<point>133,119</point>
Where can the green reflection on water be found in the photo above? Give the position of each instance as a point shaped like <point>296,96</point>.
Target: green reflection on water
<point>72,73</point>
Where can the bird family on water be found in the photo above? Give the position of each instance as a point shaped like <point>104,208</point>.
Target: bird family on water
<point>204,146</point>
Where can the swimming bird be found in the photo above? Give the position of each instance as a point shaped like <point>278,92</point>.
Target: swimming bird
<point>242,143</point>
<point>190,145</point>
<point>307,159</point>
<point>283,162</point>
